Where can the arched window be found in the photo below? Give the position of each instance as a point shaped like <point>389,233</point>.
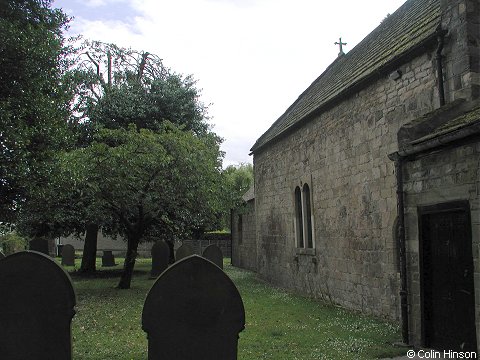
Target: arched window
<point>307,217</point>
<point>304,234</point>
<point>299,217</point>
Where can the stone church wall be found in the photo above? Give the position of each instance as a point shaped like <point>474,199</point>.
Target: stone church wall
<point>462,73</point>
<point>244,252</point>
<point>342,155</point>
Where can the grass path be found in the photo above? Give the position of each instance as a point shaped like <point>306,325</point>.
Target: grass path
<point>279,325</point>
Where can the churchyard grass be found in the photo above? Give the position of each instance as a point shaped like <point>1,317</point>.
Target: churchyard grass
<point>279,324</point>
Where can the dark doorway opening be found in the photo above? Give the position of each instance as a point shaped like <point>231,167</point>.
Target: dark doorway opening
<point>447,283</point>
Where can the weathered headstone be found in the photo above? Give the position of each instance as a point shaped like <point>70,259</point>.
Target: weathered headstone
<point>214,254</point>
<point>193,311</point>
<point>37,303</point>
<point>160,257</point>
<point>108,259</point>
<point>183,251</point>
<point>68,255</point>
<point>40,245</point>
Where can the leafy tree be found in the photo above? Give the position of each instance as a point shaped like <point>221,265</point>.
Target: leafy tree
<point>237,179</point>
<point>33,99</point>
<point>120,86</point>
<point>117,87</point>
<point>114,87</point>
<point>148,183</point>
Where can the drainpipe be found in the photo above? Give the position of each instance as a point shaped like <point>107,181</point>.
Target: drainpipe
<point>438,57</point>
<point>401,245</point>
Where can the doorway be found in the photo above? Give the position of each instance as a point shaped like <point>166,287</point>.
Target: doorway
<point>446,277</point>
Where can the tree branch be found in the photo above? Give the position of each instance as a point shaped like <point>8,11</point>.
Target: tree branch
<point>94,62</point>
<point>142,66</point>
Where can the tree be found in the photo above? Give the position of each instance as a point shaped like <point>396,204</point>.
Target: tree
<point>119,86</point>
<point>236,181</point>
<point>148,183</point>
<point>114,87</point>
<point>33,99</point>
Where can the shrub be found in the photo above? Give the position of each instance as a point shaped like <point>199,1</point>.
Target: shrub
<point>12,243</point>
<point>223,235</point>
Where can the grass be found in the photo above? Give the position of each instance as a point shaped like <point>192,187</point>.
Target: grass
<point>279,325</point>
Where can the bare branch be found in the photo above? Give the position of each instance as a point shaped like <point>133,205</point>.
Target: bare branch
<point>142,65</point>
<point>94,62</point>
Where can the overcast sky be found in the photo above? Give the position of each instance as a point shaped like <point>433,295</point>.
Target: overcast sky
<point>252,58</point>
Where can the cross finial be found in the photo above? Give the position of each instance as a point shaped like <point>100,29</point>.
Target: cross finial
<point>341,46</point>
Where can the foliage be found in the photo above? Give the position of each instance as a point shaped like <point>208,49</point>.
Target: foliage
<point>12,243</point>
<point>33,99</point>
<point>216,235</point>
<point>135,183</point>
<point>165,179</point>
<point>120,86</point>
<point>236,181</point>
<point>280,325</point>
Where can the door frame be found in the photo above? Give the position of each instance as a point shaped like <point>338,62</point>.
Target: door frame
<point>462,205</point>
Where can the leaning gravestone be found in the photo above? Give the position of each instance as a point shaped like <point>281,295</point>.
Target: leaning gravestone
<point>40,245</point>
<point>183,251</point>
<point>108,259</point>
<point>214,254</point>
<point>37,306</point>
<point>193,311</point>
<point>160,257</point>
<point>68,255</point>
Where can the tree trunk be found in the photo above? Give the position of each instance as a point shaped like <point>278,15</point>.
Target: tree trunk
<point>89,257</point>
<point>129,264</point>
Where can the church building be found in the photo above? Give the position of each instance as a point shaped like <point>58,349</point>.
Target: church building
<point>367,188</point>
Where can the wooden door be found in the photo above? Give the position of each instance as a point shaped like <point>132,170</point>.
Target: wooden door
<point>447,277</point>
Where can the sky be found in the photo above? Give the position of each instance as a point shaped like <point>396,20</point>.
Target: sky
<point>252,58</point>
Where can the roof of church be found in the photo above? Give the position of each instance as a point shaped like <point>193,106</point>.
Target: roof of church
<point>414,23</point>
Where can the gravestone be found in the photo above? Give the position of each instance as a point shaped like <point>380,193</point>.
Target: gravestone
<point>40,245</point>
<point>214,254</point>
<point>37,306</point>
<point>59,250</point>
<point>2,255</point>
<point>68,255</point>
<point>160,257</point>
<point>183,251</point>
<point>171,259</point>
<point>193,311</point>
<point>108,259</point>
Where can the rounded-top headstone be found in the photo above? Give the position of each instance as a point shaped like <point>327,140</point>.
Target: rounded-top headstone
<point>214,254</point>
<point>37,306</point>
<point>193,311</point>
<point>160,258</point>
<point>68,255</point>
<point>108,259</point>
<point>183,251</point>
